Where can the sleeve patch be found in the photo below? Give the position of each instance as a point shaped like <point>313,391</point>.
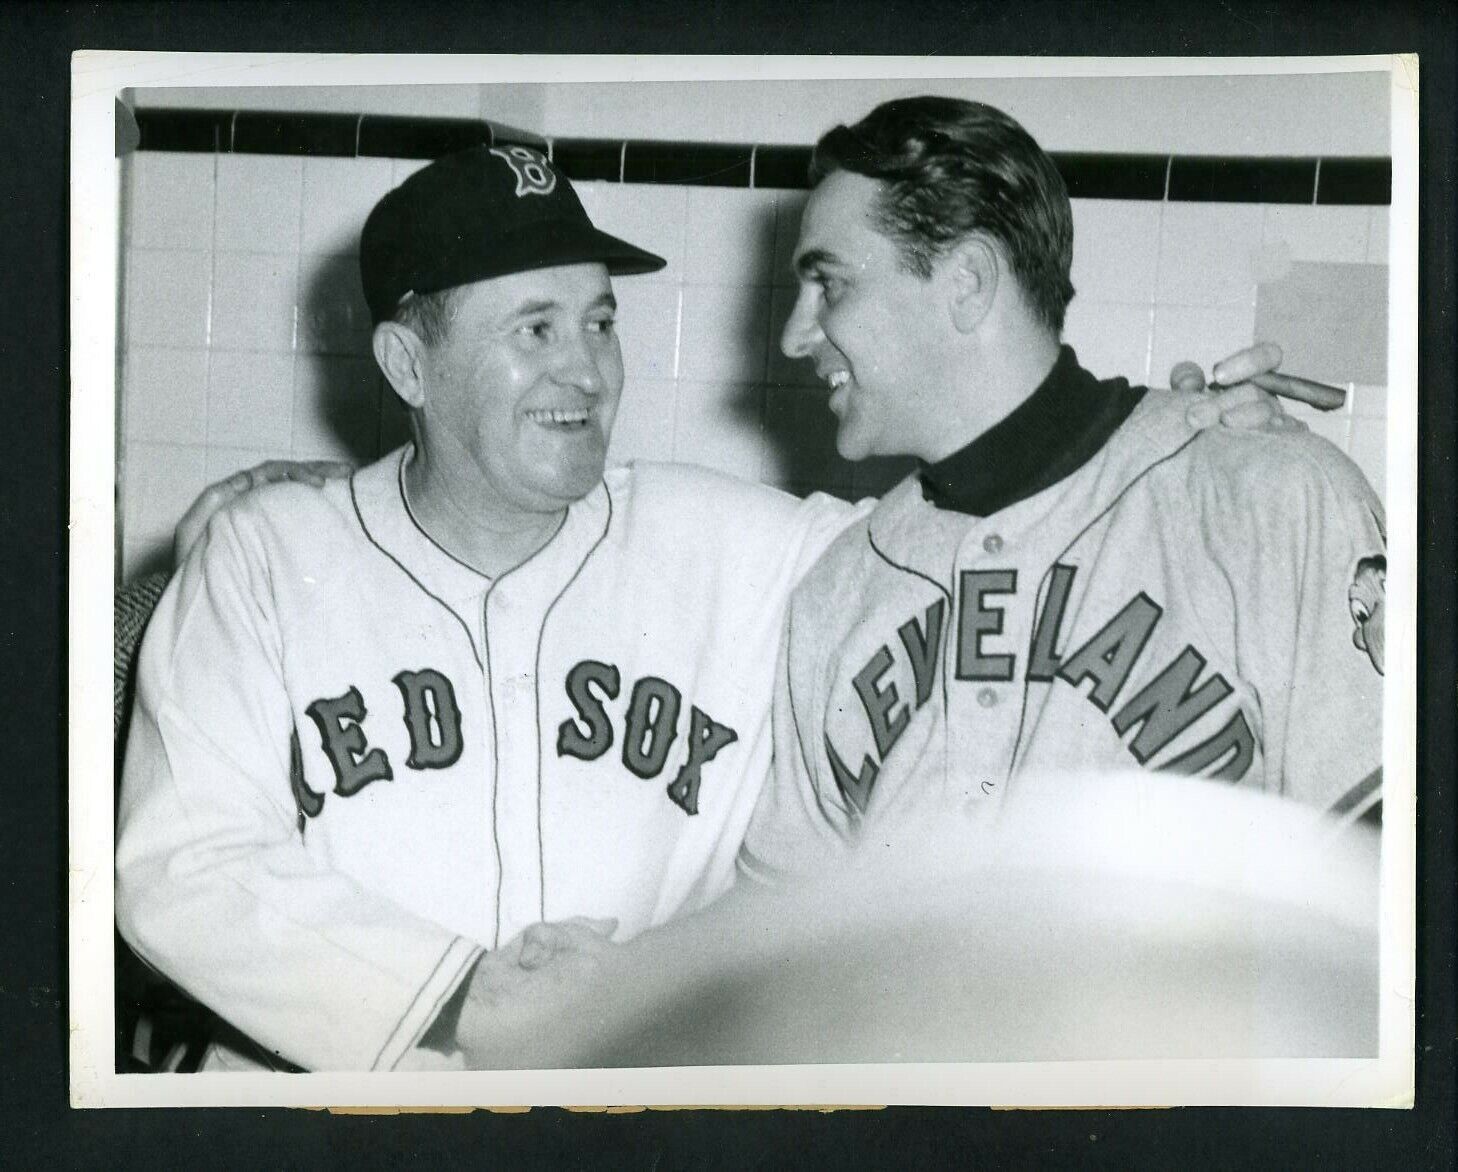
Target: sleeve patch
<point>1367,601</point>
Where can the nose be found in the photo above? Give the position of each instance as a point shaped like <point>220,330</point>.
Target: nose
<point>802,331</point>
<point>580,366</point>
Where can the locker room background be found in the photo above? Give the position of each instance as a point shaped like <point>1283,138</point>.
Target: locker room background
<point>244,335</point>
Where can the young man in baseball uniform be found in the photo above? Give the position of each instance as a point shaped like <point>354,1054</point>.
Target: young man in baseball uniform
<point>1076,579</point>
<point>403,738</point>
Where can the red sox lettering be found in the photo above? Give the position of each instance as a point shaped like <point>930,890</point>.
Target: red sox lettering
<point>650,727</point>
<point>1161,710</point>
<point>433,719</point>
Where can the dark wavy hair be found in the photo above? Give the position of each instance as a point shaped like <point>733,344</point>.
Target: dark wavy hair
<point>953,167</point>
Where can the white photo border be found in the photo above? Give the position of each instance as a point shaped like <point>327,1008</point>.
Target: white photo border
<point>97,81</point>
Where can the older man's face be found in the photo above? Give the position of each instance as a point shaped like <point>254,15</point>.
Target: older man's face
<point>522,391</point>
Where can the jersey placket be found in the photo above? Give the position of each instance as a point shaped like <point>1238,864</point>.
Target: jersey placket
<point>510,627</point>
<point>515,611</point>
<point>984,664</point>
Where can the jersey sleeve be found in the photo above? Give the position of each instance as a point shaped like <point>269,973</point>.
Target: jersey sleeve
<point>1313,575</point>
<point>797,826</point>
<point>822,518</point>
<point>214,885</point>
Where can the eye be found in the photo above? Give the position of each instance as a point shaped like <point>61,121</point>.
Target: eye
<point>536,331</point>
<point>604,327</point>
<point>831,288</point>
<point>1360,613</point>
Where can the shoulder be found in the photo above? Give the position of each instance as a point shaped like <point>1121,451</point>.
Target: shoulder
<point>839,577</point>
<point>701,501</point>
<point>289,511</point>
<point>1288,491</point>
<point>1274,468</point>
<point>689,488</point>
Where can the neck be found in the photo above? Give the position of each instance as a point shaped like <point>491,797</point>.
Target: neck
<point>1012,359</point>
<point>469,521</point>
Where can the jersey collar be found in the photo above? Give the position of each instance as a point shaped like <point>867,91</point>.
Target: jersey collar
<point>379,498</point>
<point>914,535</point>
<point>1057,429</point>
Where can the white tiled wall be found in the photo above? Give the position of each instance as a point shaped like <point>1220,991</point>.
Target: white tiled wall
<point>246,336</point>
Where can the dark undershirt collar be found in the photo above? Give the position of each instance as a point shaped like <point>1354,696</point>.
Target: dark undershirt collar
<point>1050,435</point>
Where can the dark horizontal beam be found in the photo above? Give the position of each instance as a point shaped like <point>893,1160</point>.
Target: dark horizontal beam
<point>1089,175</point>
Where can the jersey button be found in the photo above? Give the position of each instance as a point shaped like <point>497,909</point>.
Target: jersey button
<point>987,697</point>
<point>992,543</point>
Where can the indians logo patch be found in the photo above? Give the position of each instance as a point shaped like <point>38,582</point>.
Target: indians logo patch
<point>533,175</point>
<point>1367,599</point>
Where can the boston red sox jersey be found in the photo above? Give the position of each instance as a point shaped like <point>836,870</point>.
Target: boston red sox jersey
<point>356,762</point>
<point>1188,601</point>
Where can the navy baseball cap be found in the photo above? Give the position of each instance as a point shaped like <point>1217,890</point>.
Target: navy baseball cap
<point>481,213</point>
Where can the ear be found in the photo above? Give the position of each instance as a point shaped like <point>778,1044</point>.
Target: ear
<point>973,268</point>
<point>400,353</point>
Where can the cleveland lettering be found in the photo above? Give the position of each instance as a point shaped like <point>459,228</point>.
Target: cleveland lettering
<point>1156,715</point>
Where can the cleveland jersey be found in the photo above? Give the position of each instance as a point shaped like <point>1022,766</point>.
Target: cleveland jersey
<point>356,762</point>
<point>1200,602</point>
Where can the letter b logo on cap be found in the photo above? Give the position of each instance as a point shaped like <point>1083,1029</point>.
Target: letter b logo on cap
<point>533,176</point>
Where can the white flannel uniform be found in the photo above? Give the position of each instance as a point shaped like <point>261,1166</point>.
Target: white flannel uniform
<point>356,763</point>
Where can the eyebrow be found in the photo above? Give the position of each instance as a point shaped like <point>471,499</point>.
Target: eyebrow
<point>527,309</point>
<point>815,258</point>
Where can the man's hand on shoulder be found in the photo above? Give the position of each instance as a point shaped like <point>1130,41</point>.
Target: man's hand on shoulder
<point>519,1007</point>
<point>1245,390</point>
<point>215,496</point>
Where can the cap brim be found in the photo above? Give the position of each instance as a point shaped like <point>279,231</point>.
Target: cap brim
<point>545,245</point>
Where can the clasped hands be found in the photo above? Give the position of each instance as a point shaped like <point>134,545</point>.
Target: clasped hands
<point>523,1003</point>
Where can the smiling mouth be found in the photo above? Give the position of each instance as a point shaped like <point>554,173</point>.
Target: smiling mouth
<point>572,419</point>
<point>837,379</point>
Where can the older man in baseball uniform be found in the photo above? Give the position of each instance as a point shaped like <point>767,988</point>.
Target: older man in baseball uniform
<point>386,726</point>
<point>401,739</point>
<point>1076,579</point>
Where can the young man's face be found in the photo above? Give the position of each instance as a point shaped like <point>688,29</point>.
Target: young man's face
<point>876,332</point>
<point>522,391</point>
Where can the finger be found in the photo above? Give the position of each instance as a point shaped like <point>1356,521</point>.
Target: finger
<point>1247,363</point>
<point>331,469</point>
<point>1187,376</point>
<point>578,940</point>
<point>274,471</point>
<point>1304,390</point>
<point>266,473</point>
<point>316,472</point>
<point>1249,415</point>
<point>1241,394</point>
<point>599,927</point>
<point>538,943</point>
<point>1203,413</point>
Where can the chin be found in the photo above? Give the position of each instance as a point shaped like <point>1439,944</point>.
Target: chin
<point>855,449</point>
<point>570,484</point>
<point>849,444</point>
<point>566,473</point>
